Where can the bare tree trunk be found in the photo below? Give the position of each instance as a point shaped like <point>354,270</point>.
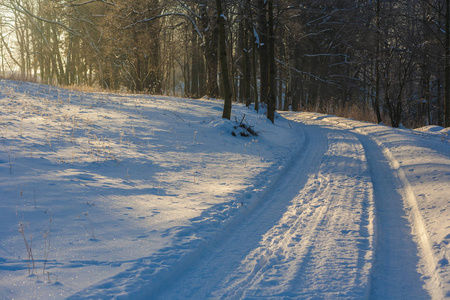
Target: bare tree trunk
<point>447,65</point>
<point>254,79</point>
<point>263,52</point>
<point>211,38</point>
<point>223,61</point>
<point>272,97</point>
<point>247,62</point>
<point>240,60</point>
<point>376,100</point>
<point>62,79</point>
<point>195,69</point>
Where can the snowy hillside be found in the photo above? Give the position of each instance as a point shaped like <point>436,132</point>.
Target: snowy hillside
<point>134,196</point>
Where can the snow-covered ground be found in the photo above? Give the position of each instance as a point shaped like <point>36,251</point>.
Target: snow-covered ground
<point>131,196</point>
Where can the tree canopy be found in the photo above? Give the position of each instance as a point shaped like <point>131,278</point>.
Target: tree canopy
<point>384,61</point>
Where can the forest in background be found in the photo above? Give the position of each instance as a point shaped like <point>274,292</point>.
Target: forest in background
<point>379,60</point>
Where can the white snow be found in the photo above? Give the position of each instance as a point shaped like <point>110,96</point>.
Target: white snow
<point>151,197</point>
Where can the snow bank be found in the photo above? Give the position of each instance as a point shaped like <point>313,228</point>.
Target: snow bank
<point>104,184</point>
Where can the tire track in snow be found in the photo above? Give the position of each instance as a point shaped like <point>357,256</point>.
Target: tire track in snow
<point>319,245</point>
<point>394,274</point>
<point>390,182</point>
<point>220,260</point>
<point>340,258</point>
<point>286,245</point>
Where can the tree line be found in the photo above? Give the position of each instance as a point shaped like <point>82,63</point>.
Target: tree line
<point>386,58</point>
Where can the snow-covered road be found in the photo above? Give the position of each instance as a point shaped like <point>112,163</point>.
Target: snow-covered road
<point>142,197</point>
<point>311,236</point>
<point>314,235</point>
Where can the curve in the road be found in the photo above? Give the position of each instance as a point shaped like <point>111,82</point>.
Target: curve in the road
<point>211,269</point>
<point>313,237</point>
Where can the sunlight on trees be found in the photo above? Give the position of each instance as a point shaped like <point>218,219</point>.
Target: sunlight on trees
<point>383,61</point>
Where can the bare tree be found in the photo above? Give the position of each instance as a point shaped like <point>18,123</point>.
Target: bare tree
<point>447,64</point>
<point>223,61</point>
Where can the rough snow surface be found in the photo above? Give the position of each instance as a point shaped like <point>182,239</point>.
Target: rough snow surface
<point>129,196</point>
<point>434,129</point>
